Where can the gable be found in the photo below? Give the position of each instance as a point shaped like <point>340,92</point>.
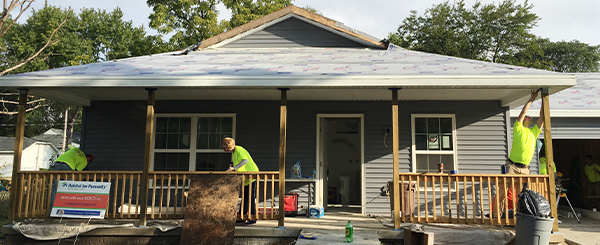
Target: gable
<point>292,33</point>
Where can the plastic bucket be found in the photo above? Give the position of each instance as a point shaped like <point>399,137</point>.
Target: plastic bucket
<point>533,230</point>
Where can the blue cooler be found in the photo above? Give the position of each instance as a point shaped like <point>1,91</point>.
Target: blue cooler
<point>315,211</point>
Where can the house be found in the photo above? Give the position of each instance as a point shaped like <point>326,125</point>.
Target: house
<point>575,132</point>
<point>36,155</point>
<point>336,86</point>
<point>56,137</point>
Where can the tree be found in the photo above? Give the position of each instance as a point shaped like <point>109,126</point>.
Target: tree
<point>9,63</point>
<point>484,32</point>
<point>91,36</point>
<point>244,11</point>
<point>192,21</point>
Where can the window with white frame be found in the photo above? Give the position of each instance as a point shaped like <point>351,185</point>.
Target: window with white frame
<point>433,142</point>
<point>192,142</point>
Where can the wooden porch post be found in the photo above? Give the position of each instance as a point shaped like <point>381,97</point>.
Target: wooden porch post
<point>282,144</point>
<point>147,156</point>
<point>18,151</point>
<point>395,149</point>
<point>549,157</point>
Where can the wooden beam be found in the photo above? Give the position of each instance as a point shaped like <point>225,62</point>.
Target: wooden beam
<point>18,152</point>
<point>282,145</point>
<point>147,156</point>
<point>549,157</point>
<point>396,161</point>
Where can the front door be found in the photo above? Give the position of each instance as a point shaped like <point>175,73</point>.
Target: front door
<point>340,161</point>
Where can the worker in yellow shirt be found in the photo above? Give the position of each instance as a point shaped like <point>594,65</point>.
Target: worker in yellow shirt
<point>525,135</point>
<point>71,160</point>
<point>544,162</point>
<point>592,171</point>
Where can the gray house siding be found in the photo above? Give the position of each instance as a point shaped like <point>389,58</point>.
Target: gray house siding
<point>115,135</point>
<point>293,32</point>
<point>575,128</point>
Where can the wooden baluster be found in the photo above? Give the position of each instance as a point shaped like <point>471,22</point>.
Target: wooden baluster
<point>514,200</point>
<point>457,199</point>
<point>273,195</point>
<point>130,195</point>
<point>473,199</point>
<point>434,197</point>
<point>242,201</point>
<point>175,194</point>
<point>481,198</point>
<point>95,178</point>
<point>402,215</point>
<point>465,199</point>
<point>265,178</point>
<point>123,181</point>
<point>137,196</point>
<point>257,196</point>
<point>28,195</point>
<point>505,201</point>
<point>154,180</point>
<point>490,198</point>
<point>546,190</point>
<point>49,195</point>
<point>450,198</point>
<point>35,193</point>
<point>426,199</point>
<point>410,180</point>
<point>20,196</point>
<point>162,194</point>
<point>114,202</point>
<point>418,201</point>
<point>183,199</point>
<point>442,197</point>
<point>498,189</point>
<point>168,197</point>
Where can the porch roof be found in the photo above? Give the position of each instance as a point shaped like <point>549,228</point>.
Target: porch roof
<point>581,100</point>
<point>310,73</point>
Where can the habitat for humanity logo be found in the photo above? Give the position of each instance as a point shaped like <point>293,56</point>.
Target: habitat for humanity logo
<point>64,184</point>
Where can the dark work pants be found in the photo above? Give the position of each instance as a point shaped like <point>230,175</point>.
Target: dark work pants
<point>250,193</point>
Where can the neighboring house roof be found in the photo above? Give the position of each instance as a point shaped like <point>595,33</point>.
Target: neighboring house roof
<point>8,143</point>
<point>55,136</point>
<point>581,100</point>
<point>312,73</point>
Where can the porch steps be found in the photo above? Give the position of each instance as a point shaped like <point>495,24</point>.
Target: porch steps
<point>364,237</point>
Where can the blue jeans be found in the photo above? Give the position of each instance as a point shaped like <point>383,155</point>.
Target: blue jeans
<point>250,193</point>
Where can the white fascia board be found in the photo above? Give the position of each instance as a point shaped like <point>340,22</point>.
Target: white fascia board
<point>557,82</point>
<point>563,113</point>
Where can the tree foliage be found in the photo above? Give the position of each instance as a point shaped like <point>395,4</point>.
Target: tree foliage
<point>497,33</point>
<point>90,36</point>
<point>483,32</point>
<point>191,21</point>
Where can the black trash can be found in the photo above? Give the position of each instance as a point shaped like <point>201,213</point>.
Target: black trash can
<point>532,230</point>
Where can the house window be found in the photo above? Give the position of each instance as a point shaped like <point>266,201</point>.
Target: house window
<point>192,142</point>
<point>433,142</point>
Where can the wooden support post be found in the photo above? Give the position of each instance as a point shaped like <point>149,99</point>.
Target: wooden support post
<point>396,161</point>
<point>282,145</point>
<point>549,157</point>
<point>147,157</point>
<point>18,152</point>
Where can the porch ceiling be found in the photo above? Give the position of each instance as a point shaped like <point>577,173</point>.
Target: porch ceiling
<point>508,96</point>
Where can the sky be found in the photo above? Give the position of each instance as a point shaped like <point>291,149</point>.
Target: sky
<point>561,20</point>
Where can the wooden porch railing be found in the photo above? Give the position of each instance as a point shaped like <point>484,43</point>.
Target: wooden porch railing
<point>465,198</point>
<point>165,193</point>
